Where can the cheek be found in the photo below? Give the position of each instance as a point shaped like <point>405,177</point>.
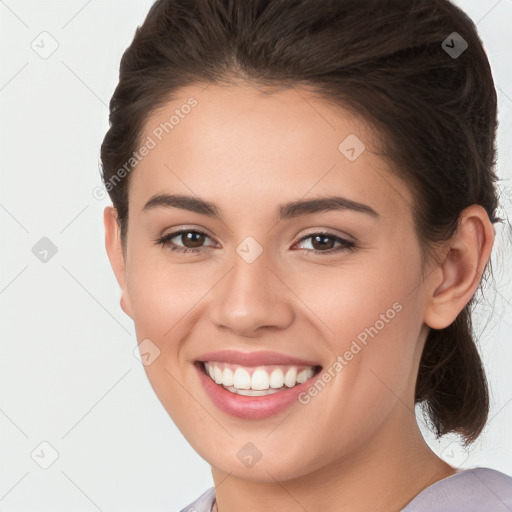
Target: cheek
<point>167,300</point>
<point>162,292</point>
<point>373,314</point>
<point>368,300</point>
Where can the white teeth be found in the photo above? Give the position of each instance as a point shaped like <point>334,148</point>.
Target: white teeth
<point>261,382</point>
<point>303,376</point>
<point>252,392</point>
<point>241,379</point>
<point>290,378</point>
<point>277,378</point>
<point>217,375</point>
<point>227,377</point>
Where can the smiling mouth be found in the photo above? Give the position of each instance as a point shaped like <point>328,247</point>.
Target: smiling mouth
<point>259,380</point>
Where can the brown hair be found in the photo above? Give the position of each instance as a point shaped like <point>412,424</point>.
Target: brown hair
<point>387,60</point>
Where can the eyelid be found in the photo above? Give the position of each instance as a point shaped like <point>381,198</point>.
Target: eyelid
<point>329,232</point>
<point>178,229</point>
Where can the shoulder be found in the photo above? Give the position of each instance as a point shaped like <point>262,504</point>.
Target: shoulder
<point>470,490</point>
<point>203,503</point>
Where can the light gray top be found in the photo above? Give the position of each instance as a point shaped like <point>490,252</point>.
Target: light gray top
<point>469,490</point>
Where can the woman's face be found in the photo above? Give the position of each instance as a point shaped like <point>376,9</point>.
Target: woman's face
<point>264,280</point>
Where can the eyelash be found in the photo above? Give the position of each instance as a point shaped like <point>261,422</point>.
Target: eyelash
<point>165,241</point>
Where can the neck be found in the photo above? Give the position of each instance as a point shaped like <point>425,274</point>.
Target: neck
<point>383,474</point>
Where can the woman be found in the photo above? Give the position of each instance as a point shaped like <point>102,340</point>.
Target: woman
<point>303,207</point>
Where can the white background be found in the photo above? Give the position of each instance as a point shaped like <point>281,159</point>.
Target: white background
<point>68,373</point>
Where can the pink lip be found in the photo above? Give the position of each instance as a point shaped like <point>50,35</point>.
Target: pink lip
<point>250,407</point>
<point>254,358</point>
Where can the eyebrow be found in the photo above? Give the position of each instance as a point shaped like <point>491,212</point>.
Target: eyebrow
<point>286,211</point>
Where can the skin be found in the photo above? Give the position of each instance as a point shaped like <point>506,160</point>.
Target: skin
<point>356,445</point>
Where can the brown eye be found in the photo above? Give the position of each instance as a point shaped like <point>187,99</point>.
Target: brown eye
<point>325,243</point>
<point>320,242</point>
<point>191,240</point>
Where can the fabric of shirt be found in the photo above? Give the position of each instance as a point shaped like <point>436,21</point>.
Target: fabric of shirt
<point>468,490</point>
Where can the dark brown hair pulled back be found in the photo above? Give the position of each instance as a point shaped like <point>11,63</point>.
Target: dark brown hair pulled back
<point>436,116</point>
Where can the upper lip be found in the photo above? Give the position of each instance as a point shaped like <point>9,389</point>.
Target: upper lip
<point>255,358</point>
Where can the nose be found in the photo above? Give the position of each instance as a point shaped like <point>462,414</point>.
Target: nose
<point>252,299</point>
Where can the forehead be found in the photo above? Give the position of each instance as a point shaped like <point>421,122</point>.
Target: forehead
<point>251,146</point>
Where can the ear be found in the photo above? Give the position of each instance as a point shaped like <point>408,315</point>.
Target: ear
<point>115,255</point>
<point>457,275</point>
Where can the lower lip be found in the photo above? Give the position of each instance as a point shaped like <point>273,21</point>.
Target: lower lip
<point>250,407</point>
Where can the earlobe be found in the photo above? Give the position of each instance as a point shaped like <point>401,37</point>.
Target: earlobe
<point>114,250</point>
<point>460,268</point>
